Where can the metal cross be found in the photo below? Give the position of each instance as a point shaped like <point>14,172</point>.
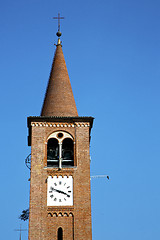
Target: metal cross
<point>58,20</point>
<point>20,231</point>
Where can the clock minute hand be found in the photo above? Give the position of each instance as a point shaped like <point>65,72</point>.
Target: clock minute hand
<point>59,191</point>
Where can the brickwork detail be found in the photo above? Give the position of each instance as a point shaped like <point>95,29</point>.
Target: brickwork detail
<point>60,214</point>
<point>42,124</point>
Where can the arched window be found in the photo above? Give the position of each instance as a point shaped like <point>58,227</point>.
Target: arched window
<point>60,150</point>
<point>60,234</point>
<point>52,153</point>
<point>67,152</point>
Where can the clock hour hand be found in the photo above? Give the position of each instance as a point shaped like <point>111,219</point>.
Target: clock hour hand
<point>59,191</point>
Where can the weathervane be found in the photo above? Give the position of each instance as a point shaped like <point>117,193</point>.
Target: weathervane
<point>58,33</point>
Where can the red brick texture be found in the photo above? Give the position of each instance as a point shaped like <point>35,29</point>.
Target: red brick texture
<point>59,99</point>
<point>74,220</point>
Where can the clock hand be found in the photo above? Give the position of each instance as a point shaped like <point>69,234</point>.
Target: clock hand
<point>59,191</point>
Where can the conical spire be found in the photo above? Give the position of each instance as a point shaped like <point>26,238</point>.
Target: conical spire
<point>59,99</point>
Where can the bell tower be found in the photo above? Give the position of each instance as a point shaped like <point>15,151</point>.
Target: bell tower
<point>60,202</point>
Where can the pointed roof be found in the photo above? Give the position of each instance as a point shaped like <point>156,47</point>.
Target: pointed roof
<point>59,100</point>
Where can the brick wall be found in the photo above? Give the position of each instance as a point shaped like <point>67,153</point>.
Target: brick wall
<point>75,220</point>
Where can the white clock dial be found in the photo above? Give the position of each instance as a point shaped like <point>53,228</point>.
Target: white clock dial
<point>60,191</point>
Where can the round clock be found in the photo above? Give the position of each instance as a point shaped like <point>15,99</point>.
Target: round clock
<point>60,191</point>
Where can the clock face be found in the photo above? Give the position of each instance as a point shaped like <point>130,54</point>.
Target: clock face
<point>60,191</point>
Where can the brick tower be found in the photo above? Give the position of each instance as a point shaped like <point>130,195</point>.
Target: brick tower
<point>60,202</point>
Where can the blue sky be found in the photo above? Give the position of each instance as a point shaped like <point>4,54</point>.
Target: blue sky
<point>112,52</point>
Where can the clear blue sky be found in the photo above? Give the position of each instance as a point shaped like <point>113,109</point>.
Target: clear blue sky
<point>112,51</point>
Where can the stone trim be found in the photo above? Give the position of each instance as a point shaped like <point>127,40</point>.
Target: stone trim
<point>44,124</point>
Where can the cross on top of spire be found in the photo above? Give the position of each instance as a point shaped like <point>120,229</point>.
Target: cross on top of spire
<point>58,33</point>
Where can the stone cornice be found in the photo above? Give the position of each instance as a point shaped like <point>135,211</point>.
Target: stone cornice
<point>68,120</point>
